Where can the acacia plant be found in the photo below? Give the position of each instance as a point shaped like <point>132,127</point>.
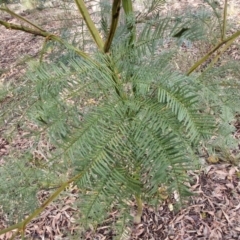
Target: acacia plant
<point>120,120</point>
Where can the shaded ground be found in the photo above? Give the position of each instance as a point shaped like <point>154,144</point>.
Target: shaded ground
<point>213,212</point>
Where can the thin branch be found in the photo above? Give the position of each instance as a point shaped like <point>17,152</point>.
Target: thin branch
<point>203,59</point>
<point>224,20</point>
<point>44,34</point>
<point>21,226</point>
<point>21,18</point>
<point>114,22</point>
<point>127,6</point>
<point>228,44</point>
<point>90,24</point>
<point>25,29</point>
<point>130,19</point>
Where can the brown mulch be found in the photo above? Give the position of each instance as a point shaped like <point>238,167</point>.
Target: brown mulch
<point>213,212</point>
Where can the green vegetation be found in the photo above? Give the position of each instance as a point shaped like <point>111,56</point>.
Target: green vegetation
<point>119,119</point>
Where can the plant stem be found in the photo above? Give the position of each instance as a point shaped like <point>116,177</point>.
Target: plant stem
<point>6,9</point>
<point>203,59</point>
<point>228,44</point>
<point>90,24</point>
<point>127,6</point>
<point>224,20</point>
<point>115,77</point>
<point>130,19</point>
<point>21,225</point>
<point>137,218</point>
<point>114,22</point>
<point>45,34</point>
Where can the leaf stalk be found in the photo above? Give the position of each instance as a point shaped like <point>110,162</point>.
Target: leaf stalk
<point>203,59</point>
<point>224,20</point>
<point>114,23</point>
<point>21,225</point>
<point>130,19</point>
<point>6,9</point>
<point>45,34</point>
<point>90,24</point>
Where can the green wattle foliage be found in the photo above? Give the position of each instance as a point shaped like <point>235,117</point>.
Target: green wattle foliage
<point>127,121</point>
<point>128,137</point>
